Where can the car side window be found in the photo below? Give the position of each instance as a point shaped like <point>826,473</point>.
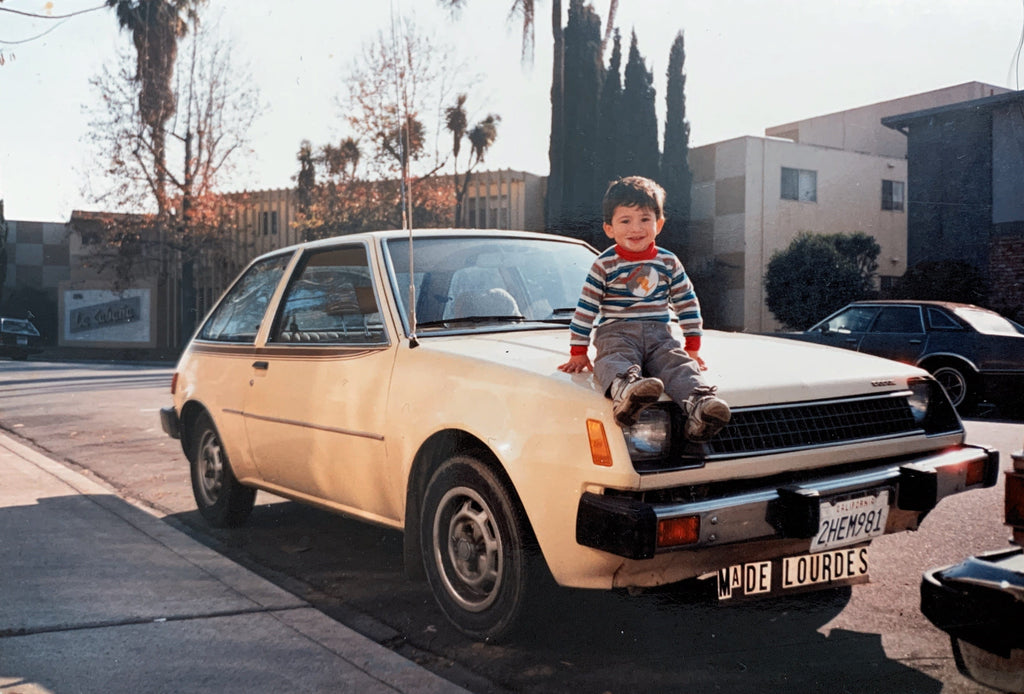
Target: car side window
<point>939,320</point>
<point>331,300</point>
<point>898,319</point>
<point>854,320</point>
<point>238,316</point>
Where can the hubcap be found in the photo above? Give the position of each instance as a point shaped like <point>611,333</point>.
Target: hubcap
<point>954,383</point>
<point>468,549</point>
<point>211,467</point>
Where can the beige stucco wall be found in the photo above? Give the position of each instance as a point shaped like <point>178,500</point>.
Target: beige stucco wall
<point>740,219</point>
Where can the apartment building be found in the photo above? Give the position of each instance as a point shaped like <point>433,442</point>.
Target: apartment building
<point>836,173</point>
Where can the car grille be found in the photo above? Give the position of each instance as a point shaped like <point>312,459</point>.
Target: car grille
<point>808,425</point>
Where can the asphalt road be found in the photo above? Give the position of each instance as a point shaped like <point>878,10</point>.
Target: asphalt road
<point>102,418</point>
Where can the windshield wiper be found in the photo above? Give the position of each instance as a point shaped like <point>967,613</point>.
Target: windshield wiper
<point>472,320</point>
<point>560,315</point>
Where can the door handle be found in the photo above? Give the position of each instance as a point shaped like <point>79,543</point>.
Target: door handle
<point>261,365</point>
<point>915,342</point>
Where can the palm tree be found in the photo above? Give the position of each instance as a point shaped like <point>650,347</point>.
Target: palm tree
<point>156,26</point>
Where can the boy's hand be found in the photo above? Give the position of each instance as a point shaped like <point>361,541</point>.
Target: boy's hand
<point>577,364</point>
<point>700,362</point>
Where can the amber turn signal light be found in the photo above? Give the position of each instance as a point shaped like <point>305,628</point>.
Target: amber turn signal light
<point>674,532</point>
<point>600,452</point>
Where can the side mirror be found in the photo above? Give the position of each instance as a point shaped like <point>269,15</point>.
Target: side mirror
<point>825,329</point>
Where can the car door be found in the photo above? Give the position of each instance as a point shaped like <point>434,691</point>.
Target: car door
<point>896,333</point>
<point>315,411</point>
<point>226,342</point>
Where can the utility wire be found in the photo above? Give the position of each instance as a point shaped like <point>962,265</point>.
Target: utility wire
<point>50,16</point>
<point>33,15</point>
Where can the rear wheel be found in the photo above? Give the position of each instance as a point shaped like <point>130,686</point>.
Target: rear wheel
<point>474,540</point>
<point>222,501</point>
<point>957,383</point>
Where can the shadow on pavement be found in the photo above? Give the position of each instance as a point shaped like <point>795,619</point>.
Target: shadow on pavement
<point>575,640</point>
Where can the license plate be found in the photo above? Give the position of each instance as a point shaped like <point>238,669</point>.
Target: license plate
<point>22,340</point>
<point>850,521</point>
<point>837,567</point>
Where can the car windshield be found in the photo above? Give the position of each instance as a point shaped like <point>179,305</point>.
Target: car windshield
<point>486,283</point>
<point>988,322</point>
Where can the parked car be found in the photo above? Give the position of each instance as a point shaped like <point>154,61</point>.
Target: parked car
<point>18,338</point>
<point>412,381</point>
<point>980,601</point>
<point>973,352</point>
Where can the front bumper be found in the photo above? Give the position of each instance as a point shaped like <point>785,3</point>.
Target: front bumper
<point>628,527</point>
<point>170,422</point>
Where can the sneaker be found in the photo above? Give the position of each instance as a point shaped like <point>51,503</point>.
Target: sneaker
<point>631,393</point>
<point>706,414</point>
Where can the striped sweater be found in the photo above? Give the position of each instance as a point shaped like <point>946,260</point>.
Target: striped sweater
<point>650,285</point>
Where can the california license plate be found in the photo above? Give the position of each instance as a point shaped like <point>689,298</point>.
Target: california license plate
<point>851,521</point>
<point>836,567</point>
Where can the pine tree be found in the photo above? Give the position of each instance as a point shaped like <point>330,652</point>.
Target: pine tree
<point>640,120</point>
<point>675,169</point>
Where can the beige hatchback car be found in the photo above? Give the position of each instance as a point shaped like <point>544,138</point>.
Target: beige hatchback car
<point>412,381</point>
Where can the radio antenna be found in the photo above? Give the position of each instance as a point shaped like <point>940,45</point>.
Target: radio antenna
<point>405,141</point>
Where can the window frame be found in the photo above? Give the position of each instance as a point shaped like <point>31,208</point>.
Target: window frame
<point>890,201</point>
<point>802,188</point>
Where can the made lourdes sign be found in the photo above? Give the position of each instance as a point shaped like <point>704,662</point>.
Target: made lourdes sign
<point>104,315</point>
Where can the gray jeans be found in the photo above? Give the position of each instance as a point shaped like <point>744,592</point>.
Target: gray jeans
<point>649,344</point>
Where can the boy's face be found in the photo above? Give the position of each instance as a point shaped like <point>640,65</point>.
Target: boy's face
<point>634,228</point>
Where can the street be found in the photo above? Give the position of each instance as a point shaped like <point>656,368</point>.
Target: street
<point>101,418</point>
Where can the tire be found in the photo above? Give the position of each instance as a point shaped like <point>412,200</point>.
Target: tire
<point>221,500</point>
<point>958,384</point>
<point>476,548</point>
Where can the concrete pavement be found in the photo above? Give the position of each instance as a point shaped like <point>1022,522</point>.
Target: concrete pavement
<point>100,595</point>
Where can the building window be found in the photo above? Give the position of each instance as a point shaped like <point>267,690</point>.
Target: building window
<point>268,222</point>
<point>799,184</point>
<point>892,195</point>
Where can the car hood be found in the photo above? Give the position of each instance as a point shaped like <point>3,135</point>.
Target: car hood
<point>748,369</point>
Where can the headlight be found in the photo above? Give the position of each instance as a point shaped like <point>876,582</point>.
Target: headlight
<point>651,436</point>
<point>920,396</point>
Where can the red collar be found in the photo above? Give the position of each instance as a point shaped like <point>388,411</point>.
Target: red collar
<point>649,253</point>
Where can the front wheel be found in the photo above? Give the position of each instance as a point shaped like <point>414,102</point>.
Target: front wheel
<point>222,501</point>
<point>474,540</point>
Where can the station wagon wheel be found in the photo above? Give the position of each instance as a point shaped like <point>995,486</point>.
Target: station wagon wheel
<point>473,539</point>
<point>221,500</point>
<point>957,384</point>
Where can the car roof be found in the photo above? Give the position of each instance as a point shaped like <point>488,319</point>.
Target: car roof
<point>916,302</point>
<point>372,236</point>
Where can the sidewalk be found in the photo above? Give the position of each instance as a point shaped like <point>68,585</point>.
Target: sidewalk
<point>99,595</point>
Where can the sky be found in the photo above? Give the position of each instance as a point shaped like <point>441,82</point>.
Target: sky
<point>750,64</point>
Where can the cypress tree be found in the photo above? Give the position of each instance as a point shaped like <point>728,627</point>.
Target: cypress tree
<point>640,120</point>
<point>609,119</point>
<point>584,73</point>
<point>675,168</point>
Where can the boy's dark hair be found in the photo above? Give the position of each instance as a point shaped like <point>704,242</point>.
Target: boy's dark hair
<point>633,191</point>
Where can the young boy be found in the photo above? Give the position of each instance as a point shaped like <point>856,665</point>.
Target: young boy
<point>632,291</point>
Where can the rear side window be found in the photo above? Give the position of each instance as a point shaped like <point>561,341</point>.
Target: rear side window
<point>238,316</point>
<point>899,319</point>
<point>331,300</point>
<point>940,320</point>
